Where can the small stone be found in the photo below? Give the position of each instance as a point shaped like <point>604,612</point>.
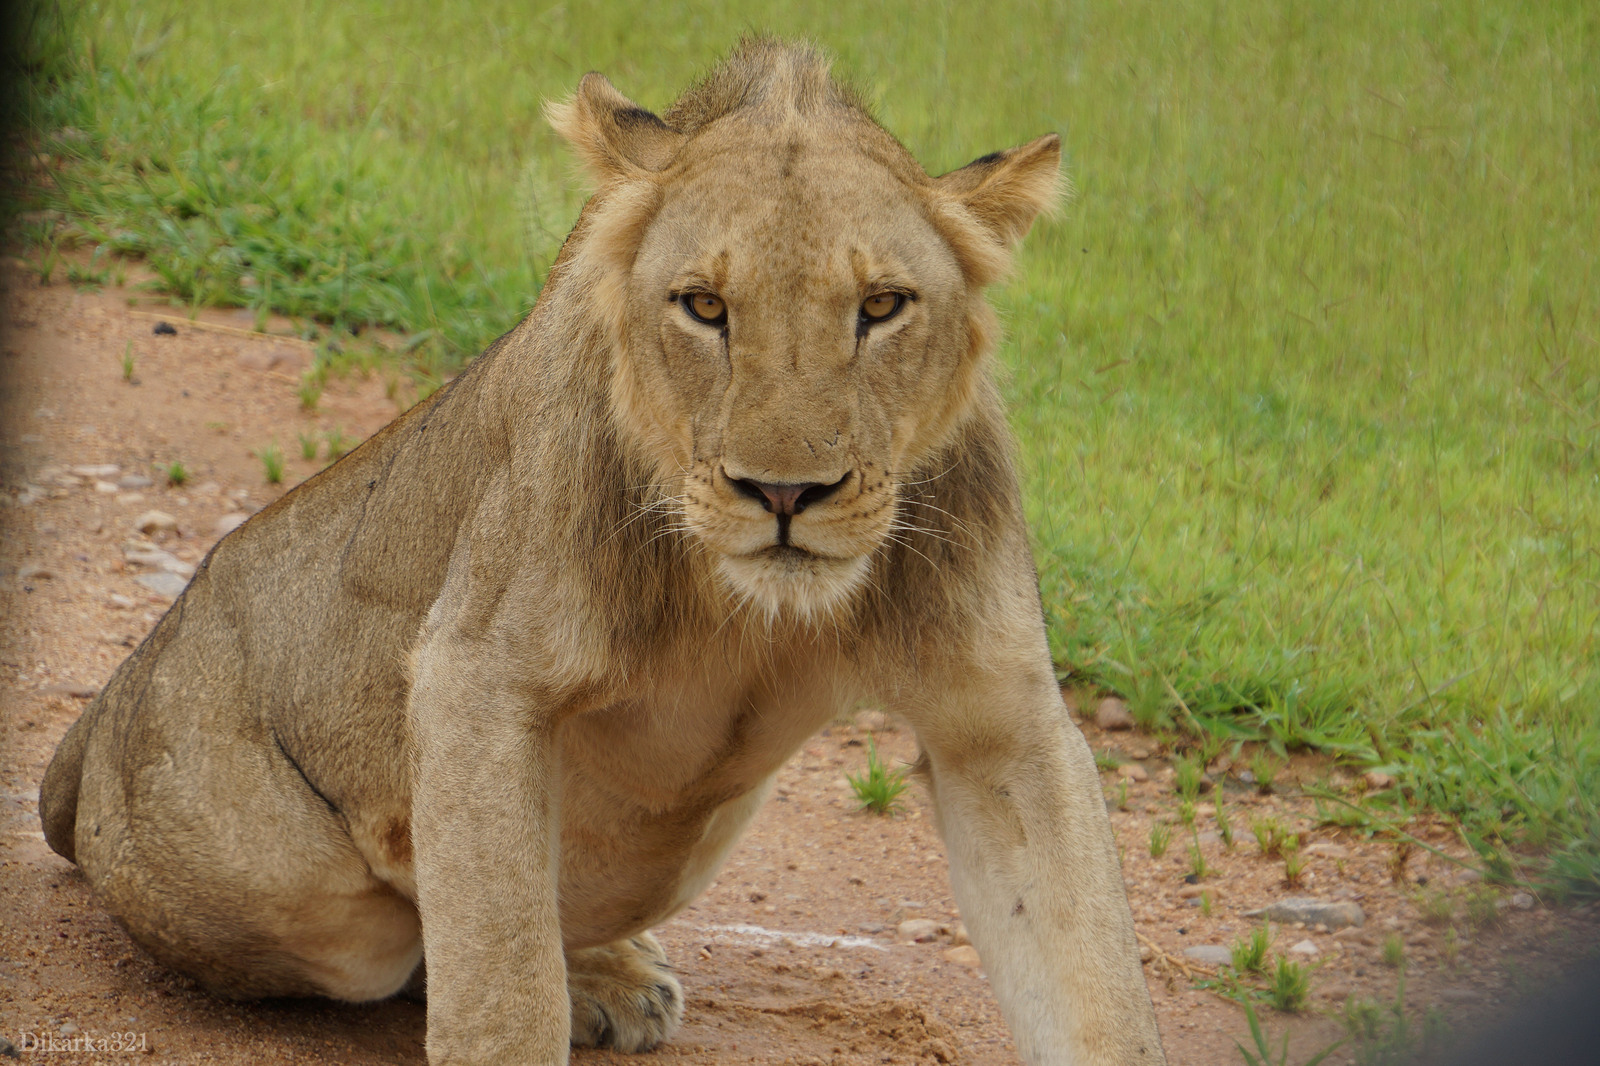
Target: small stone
<point>36,572</point>
<point>106,488</point>
<point>168,585</point>
<point>1307,948</point>
<point>1327,850</point>
<point>1112,714</point>
<point>1523,901</point>
<point>121,602</point>
<point>1333,990</point>
<point>155,522</point>
<point>1146,953</point>
<point>97,470</point>
<point>77,692</point>
<point>1310,911</point>
<point>164,329</point>
<point>1132,771</point>
<point>1209,954</point>
<point>959,935</point>
<point>130,499</point>
<point>8,1049</point>
<point>68,1028</point>
<point>918,930</point>
<point>1191,892</point>
<point>134,481</point>
<point>230,522</point>
<point>964,955</point>
<point>1376,779</point>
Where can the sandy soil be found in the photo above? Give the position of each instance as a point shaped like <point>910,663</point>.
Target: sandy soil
<point>792,956</point>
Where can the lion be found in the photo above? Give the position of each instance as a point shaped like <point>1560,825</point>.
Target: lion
<point>500,689</point>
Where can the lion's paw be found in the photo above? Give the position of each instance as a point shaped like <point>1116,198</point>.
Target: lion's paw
<point>624,995</point>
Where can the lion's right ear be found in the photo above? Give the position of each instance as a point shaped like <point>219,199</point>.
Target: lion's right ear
<point>615,137</point>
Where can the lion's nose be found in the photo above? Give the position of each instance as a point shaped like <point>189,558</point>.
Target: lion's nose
<point>786,499</point>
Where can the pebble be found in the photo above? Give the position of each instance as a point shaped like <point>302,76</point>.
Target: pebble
<point>1307,948</point>
<point>1112,714</point>
<point>148,555</point>
<point>1312,912</point>
<point>129,499</point>
<point>1210,954</point>
<point>1132,771</point>
<point>68,1028</point>
<point>36,572</point>
<point>964,955</point>
<point>1145,952</point>
<point>918,930</point>
<point>1523,901</point>
<point>95,470</point>
<point>1327,850</point>
<point>959,935</point>
<point>106,488</point>
<point>134,481</point>
<point>121,602</point>
<point>169,585</point>
<point>1376,779</point>
<point>230,522</point>
<point>1192,892</point>
<point>155,522</point>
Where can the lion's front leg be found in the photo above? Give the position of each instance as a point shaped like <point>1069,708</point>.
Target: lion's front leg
<point>486,835</point>
<point>1035,871</point>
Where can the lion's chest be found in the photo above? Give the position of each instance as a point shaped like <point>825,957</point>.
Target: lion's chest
<point>656,790</point>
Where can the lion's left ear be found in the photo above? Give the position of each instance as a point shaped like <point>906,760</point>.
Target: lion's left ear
<point>615,137</point>
<point>1006,191</point>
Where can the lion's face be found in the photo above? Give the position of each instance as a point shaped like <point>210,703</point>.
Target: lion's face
<point>798,321</point>
<point>794,325</point>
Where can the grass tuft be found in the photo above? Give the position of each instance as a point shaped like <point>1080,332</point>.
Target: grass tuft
<point>879,789</point>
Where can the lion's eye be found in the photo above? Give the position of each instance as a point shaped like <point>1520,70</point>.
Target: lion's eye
<point>705,307</point>
<point>882,306</point>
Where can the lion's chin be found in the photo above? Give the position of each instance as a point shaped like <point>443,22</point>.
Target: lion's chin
<point>790,582</point>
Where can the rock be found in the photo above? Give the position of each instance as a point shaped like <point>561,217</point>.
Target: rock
<point>106,488</point>
<point>35,572</point>
<point>1209,954</point>
<point>1312,911</point>
<point>77,692</point>
<point>1375,779</point>
<point>230,522</point>
<point>1307,948</point>
<point>1145,952</point>
<point>1523,901</point>
<point>959,936</point>
<point>153,558</point>
<point>121,602</point>
<point>1191,892</point>
<point>164,329</point>
<point>1112,714</point>
<point>98,470</point>
<point>169,585</point>
<point>1132,771</point>
<point>129,499</point>
<point>8,1049</point>
<point>155,522</point>
<point>918,930</point>
<point>1327,850</point>
<point>965,955</point>
<point>134,481</point>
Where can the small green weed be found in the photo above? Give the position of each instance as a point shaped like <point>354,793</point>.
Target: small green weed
<point>1187,774</point>
<point>1160,837</point>
<point>85,279</point>
<point>1262,1053</point>
<point>1394,951</point>
<point>308,446</point>
<point>1294,867</point>
<point>1384,1037</point>
<point>127,362</point>
<point>1186,813</point>
<point>310,390</point>
<point>1250,953</point>
<point>176,472</point>
<point>879,788</point>
<point>1120,797</point>
<point>1197,859</point>
<point>1107,761</point>
<point>1290,987</point>
<point>339,445</point>
<point>271,458</point>
<point>1437,906</point>
<point>1224,823</point>
<point>1265,767</point>
<point>1273,837</point>
<point>1205,904</point>
<point>1482,906</point>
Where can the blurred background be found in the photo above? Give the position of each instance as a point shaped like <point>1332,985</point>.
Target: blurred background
<point>1306,377</point>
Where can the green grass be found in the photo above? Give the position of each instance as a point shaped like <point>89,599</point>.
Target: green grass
<point>1306,379</point>
<point>1250,954</point>
<point>271,457</point>
<point>878,790</point>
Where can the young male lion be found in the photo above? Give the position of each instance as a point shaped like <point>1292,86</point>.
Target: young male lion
<point>503,686</point>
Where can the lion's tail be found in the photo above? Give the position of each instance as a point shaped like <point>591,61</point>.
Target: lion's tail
<point>58,793</point>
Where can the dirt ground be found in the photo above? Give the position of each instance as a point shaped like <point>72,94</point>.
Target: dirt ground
<point>794,955</point>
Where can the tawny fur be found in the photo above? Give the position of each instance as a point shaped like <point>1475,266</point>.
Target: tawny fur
<point>503,686</point>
